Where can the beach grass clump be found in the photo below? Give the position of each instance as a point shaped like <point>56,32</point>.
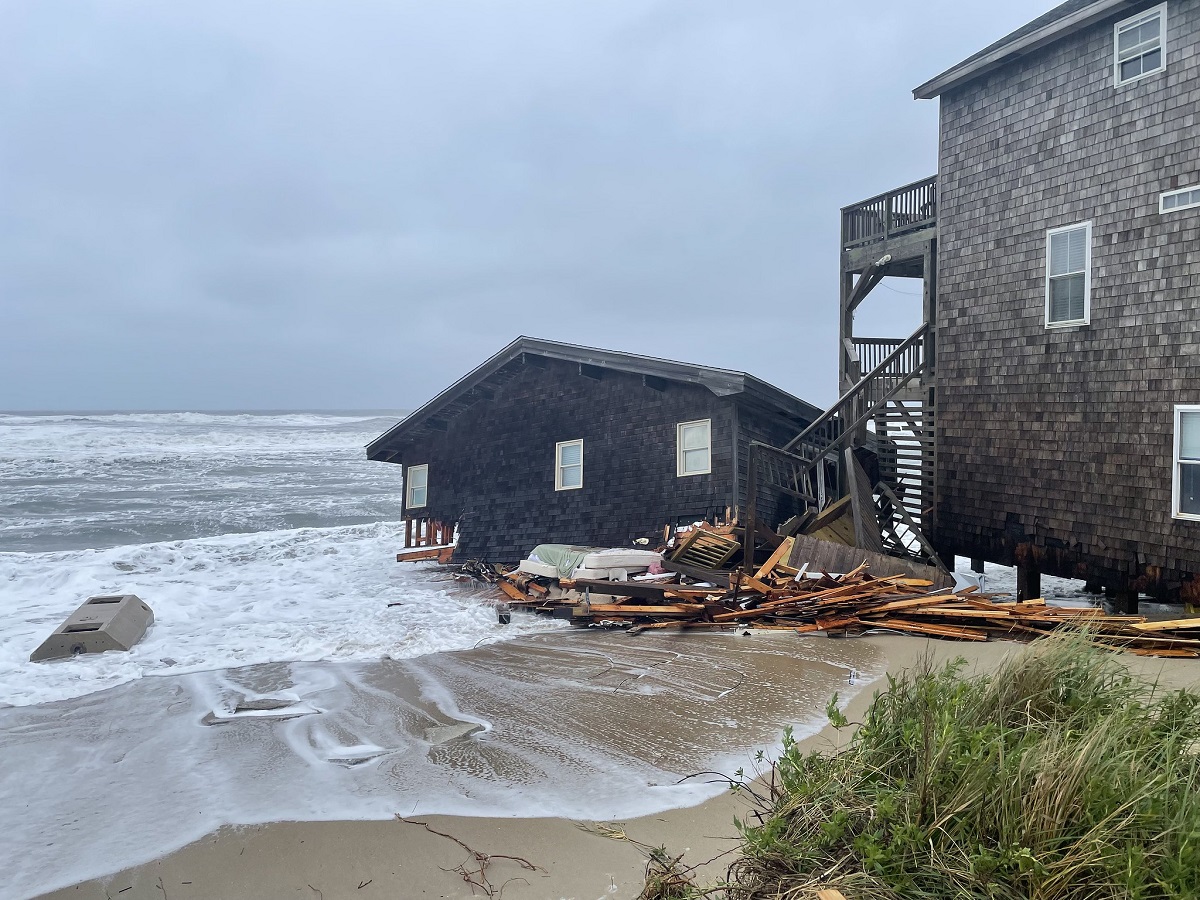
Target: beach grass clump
<point>1058,775</point>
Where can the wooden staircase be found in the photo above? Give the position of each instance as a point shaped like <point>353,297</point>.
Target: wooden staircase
<point>888,411</point>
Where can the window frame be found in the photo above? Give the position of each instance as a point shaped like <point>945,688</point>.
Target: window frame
<point>1162,199</point>
<point>679,448</point>
<point>558,466</point>
<point>1161,12</point>
<point>1087,275</point>
<point>409,487</point>
<point>1176,462</point>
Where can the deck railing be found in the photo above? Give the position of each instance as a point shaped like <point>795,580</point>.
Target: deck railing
<point>870,352</point>
<point>425,531</point>
<point>832,429</point>
<point>899,211</point>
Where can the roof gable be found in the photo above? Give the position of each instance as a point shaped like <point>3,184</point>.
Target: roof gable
<point>1064,19</point>
<point>481,382</point>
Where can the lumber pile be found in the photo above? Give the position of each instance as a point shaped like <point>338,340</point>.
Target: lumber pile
<point>778,596</point>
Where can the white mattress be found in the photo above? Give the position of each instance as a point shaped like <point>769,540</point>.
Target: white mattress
<point>532,567</point>
<point>616,564</point>
<point>620,558</point>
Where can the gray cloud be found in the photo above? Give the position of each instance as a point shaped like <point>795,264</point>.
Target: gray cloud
<point>301,204</point>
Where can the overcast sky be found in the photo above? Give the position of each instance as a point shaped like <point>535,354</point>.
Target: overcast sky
<point>351,204</point>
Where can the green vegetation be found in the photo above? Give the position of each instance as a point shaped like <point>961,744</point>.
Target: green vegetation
<point>1060,776</point>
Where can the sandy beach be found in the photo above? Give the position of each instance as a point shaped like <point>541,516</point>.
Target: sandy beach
<point>393,858</point>
<point>572,724</point>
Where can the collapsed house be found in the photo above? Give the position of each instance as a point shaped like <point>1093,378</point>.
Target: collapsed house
<point>548,442</point>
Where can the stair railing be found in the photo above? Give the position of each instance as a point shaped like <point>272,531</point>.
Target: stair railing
<point>832,431</point>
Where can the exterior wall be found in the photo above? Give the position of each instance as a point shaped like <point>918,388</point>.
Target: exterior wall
<point>493,469</point>
<point>1055,445</point>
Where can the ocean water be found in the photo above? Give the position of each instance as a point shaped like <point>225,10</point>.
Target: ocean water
<point>91,481</point>
<point>254,538</point>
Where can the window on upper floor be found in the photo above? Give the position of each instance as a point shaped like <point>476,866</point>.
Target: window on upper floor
<point>1184,198</point>
<point>568,465</point>
<point>694,448</point>
<point>418,486</point>
<point>1068,275</point>
<point>1186,481</point>
<point>1140,45</point>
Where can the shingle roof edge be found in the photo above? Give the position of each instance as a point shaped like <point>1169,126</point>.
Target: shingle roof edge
<point>1057,23</point>
<point>722,382</point>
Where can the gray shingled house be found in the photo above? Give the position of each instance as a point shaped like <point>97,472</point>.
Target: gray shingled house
<point>1047,412</point>
<point>547,442</point>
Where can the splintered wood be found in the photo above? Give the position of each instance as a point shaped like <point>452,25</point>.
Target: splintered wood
<point>773,597</point>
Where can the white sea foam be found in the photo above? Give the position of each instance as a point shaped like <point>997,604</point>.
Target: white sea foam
<point>574,724</point>
<point>235,600</point>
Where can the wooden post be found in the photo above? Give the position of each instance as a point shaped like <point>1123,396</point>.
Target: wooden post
<point>408,533</point>
<point>1121,598</point>
<point>1029,583</point>
<point>751,507</point>
<point>977,565</point>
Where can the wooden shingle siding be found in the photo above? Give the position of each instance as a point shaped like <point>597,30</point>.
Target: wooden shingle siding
<point>1056,444</point>
<point>492,470</point>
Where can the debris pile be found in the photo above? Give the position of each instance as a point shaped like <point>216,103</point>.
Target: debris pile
<point>779,596</point>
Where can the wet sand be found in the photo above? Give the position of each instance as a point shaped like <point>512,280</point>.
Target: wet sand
<point>396,859</point>
<point>568,724</point>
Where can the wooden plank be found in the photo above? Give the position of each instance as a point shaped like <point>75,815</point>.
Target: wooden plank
<point>510,590</point>
<point>753,584</point>
<point>907,604</point>
<point>929,629</point>
<point>862,505</point>
<point>642,590</point>
<point>1172,625</point>
<point>421,553</point>
<point>666,609</point>
<point>777,557</point>
<point>677,592</point>
<point>807,549</point>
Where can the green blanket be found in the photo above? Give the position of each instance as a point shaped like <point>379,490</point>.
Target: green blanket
<point>564,557</point>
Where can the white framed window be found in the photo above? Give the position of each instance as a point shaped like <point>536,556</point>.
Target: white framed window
<point>694,443</point>
<point>568,465</point>
<point>1185,483</point>
<point>1184,198</point>
<point>1069,275</point>
<point>418,486</point>
<point>1140,45</point>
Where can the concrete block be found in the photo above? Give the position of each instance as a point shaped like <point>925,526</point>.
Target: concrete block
<point>112,622</point>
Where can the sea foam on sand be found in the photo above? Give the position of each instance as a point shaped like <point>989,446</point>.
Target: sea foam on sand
<point>578,724</point>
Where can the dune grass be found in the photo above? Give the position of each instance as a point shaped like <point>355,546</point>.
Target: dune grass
<point>1057,776</point>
